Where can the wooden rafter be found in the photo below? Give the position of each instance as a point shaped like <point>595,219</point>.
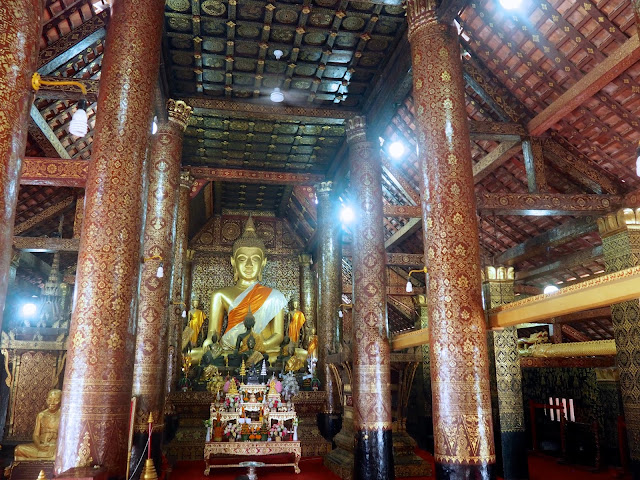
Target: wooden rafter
<point>44,127</point>
<point>534,165</point>
<point>594,81</point>
<point>568,262</point>
<point>487,164</point>
<point>44,215</point>
<point>405,232</point>
<point>44,244</point>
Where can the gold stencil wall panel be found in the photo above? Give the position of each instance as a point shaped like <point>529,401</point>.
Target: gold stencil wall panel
<point>35,375</point>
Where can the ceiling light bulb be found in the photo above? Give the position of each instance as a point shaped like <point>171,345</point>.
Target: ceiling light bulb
<point>510,4</point>
<point>154,127</point>
<point>79,125</point>
<point>550,289</point>
<point>409,286</point>
<point>29,309</point>
<point>276,96</point>
<point>160,272</point>
<point>340,313</point>
<point>396,149</point>
<point>278,54</point>
<point>184,314</point>
<point>346,214</point>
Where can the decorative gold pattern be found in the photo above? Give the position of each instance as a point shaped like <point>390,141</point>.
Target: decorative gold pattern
<point>329,290</point>
<point>178,112</point>
<point>97,385</point>
<point>149,370</point>
<point>18,57</point>
<point>371,368</point>
<point>307,296</point>
<point>253,449</point>
<point>621,245</point>
<point>60,172</point>
<point>459,358</point>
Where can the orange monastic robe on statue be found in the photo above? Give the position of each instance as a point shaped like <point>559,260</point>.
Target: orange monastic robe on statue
<point>265,304</point>
<point>297,321</point>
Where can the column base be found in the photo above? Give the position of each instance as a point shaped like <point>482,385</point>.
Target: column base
<point>139,453</point>
<point>373,455</point>
<point>447,471</point>
<point>635,469</point>
<point>515,461</point>
<point>329,425</point>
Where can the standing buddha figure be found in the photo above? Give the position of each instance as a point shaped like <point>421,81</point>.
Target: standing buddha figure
<point>266,304</point>
<point>296,323</point>
<point>196,320</point>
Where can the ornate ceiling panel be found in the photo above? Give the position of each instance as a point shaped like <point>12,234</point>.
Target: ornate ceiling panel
<point>332,50</point>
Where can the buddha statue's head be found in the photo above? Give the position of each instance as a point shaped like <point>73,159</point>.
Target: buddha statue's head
<point>195,303</point>
<point>54,398</point>
<point>249,255</point>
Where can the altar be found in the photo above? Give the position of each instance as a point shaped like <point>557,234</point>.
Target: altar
<point>253,450</point>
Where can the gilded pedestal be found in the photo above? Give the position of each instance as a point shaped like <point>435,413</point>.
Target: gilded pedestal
<point>371,368</point>
<point>149,370</point>
<point>620,234</point>
<point>98,377</point>
<point>19,42</point>
<point>329,295</point>
<point>459,359</point>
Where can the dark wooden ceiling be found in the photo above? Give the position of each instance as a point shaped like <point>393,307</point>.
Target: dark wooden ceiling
<point>344,57</point>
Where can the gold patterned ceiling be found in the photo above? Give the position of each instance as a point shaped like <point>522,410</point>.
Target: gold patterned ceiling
<point>332,50</point>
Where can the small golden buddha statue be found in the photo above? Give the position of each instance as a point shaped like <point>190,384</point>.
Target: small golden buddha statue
<point>266,304</point>
<point>196,320</point>
<point>296,323</point>
<point>45,433</point>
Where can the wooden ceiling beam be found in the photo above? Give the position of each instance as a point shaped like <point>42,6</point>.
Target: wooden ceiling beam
<point>602,312</point>
<point>44,215</point>
<point>496,157</point>
<point>65,49</point>
<point>284,201</point>
<point>496,131</point>
<point>46,245</point>
<point>546,203</point>
<point>585,88</point>
<point>69,92</point>
<point>54,172</point>
<point>217,107</point>
<point>254,176</point>
<point>46,130</point>
<point>567,262</point>
<point>534,165</point>
<point>551,238</point>
<point>574,334</point>
<point>405,232</point>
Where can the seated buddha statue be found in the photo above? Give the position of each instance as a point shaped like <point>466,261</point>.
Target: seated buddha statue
<point>248,294</point>
<point>45,433</point>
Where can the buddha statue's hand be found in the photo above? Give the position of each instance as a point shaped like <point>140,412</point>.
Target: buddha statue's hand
<point>207,343</point>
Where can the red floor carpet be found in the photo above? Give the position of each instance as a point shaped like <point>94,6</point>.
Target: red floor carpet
<point>540,468</point>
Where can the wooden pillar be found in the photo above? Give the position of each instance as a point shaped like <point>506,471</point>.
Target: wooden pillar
<point>307,297</point>
<point>620,234</point>
<point>458,344</point>
<point>329,298</point>
<point>178,301</point>
<point>97,386</point>
<point>424,370</point>
<point>508,407</point>
<point>373,449</point>
<point>149,370</point>
<point>20,24</point>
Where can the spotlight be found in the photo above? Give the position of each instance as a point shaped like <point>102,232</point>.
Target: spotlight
<point>160,272</point>
<point>396,150</point>
<point>340,313</point>
<point>550,289</point>
<point>346,214</point>
<point>278,54</point>
<point>510,4</point>
<point>409,286</point>
<point>29,309</point>
<point>276,96</point>
<point>184,314</point>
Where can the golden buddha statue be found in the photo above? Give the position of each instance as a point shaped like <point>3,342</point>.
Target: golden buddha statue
<point>296,323</point>
<point>45,433</point>
<point>196,320</point>
<point>266,304</point>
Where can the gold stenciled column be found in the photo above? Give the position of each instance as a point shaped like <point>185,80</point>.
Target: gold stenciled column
<point>620,234</point>
<point>463,432</point>
<point>20,23</point>
<point>420,304</point>
<point>373,449</point>
<point>179,303</point>
<point>149,370</point>
<point>329,296</point>
<point>508,407</point>
<point>308,297</point>
<point>97,385</point>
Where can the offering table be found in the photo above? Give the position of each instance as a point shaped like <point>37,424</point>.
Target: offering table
<point>251,449</point>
